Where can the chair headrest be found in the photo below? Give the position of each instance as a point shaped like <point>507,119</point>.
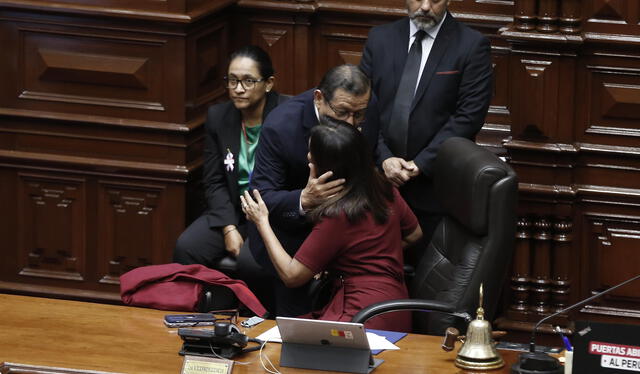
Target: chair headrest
<point>464,174</point>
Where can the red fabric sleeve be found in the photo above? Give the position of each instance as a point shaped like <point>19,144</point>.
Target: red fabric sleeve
<point>323,244</point>
<point>408,220</point>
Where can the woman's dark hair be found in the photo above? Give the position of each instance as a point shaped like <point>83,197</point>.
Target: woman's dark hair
<point>257,54</point>
<point>339,147</point>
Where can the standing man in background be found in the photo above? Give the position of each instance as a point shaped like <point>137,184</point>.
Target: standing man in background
<point>433,80</point>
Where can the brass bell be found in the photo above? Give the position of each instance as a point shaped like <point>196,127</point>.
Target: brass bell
<point>478,351</point>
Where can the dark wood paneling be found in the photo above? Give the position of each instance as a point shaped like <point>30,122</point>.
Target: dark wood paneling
<point>340,42</point>
<point>575,149</point>
<point>101,135</point>
<point>51,226</point>
<point>612,94</point>
<point>278,38</point>
<point>133,224</point>
<point>78,72</point>
<point>611,254</point>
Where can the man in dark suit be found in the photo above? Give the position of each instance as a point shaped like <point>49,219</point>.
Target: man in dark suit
<point>432,77</point>
<point>282,173</point>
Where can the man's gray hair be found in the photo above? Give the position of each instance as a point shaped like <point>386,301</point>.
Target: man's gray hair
<point>348,77</point>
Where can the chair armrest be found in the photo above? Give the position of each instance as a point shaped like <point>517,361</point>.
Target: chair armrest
<point>408,304</point>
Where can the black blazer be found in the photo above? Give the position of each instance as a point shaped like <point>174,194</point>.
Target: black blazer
<point>222,133</point>
<point>452,98</point>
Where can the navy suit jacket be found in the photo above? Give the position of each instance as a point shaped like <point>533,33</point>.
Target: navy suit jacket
<point>281,171</point>
<point>452,97</point>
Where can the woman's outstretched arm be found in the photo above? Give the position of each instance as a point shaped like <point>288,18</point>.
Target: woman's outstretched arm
<point>291,271</point>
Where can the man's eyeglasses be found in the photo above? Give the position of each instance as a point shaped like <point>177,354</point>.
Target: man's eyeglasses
<point>247,83</point>
<point>343,115</point>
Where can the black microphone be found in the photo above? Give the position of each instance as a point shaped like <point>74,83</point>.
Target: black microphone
<point>533,362</point>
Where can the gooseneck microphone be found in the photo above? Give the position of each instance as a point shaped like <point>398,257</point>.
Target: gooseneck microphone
<point>533,362</point>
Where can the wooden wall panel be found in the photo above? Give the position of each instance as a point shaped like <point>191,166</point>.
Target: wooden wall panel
<point>575,149</point>
<point>278,38</point>
<point>101,114</point>
<point>608,21</point>
<point>209,51</point>
<point>612,94</point>
<point>340,43</point>
<point>78,72</point>
<point>132,223</point>
<point>611,251</point>
<point>51,215</point>
<point>538,77</point>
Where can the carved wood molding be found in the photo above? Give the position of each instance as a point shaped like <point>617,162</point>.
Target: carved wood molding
<point>380,8</point>
<point>135,10</point>
<point>611,239</point>
<point>77,99</point>
<point>280,5</point>
<point>51,241</point>
<point>96,166</point>
<point>550,191</point>
<point>103,120</point>
<point>130,217</point>
<point>541,146</point>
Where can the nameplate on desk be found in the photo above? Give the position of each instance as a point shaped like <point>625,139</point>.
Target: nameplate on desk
<point>206,365</point>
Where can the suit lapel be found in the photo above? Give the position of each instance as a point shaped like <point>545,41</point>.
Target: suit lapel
<point>230,139</point>
<point>310,117</point>
<point>401,51</point>
<point>437,51</point>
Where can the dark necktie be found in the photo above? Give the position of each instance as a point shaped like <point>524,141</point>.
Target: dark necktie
<point>399,123</point>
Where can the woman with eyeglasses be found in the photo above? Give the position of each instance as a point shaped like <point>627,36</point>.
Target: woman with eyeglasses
<point>359,234</point>
<point>232,132</point>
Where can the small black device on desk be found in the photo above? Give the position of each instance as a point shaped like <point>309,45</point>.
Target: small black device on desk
<point>224,340</point>
<point>189,320</point>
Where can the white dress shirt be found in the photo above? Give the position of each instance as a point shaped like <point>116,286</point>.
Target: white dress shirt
<point>427,43</point>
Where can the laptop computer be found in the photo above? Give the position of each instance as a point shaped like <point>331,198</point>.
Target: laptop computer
<point>325,345</point>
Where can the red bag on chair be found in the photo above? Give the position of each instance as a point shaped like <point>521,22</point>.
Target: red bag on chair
<point>179,287</point>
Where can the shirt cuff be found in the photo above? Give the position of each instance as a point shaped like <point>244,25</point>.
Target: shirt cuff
<point>300,210</point>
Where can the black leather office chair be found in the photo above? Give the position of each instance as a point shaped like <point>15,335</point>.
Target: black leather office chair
<point>472,245</point>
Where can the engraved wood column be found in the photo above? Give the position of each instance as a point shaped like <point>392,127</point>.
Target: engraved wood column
<point>520,278</point>
<point>547,15</point>
<point>570,21</point>
<point>525,15</point>
<point>561,282</point>
<point>541,272</point>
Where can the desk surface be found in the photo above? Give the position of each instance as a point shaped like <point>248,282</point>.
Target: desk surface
<point>109,338</point>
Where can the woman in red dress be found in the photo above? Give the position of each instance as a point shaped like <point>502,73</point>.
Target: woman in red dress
<point>359,234</point>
